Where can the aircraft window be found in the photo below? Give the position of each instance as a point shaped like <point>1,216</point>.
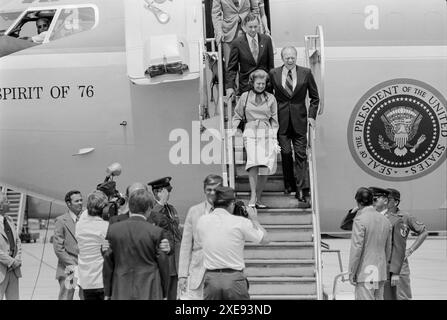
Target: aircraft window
<point>6,19</point>
<point>33,25</point>
<point>72,21</point>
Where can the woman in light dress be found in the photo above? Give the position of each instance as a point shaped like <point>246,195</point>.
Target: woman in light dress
<point>258,109</point>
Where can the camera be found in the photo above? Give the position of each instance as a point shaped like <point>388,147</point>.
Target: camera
<point>240,209</point>
<point>108,187</point>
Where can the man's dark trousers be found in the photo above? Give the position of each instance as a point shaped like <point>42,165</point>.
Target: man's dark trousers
<point>299,141</point>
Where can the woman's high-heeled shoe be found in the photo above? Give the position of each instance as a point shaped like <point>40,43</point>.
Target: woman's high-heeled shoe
<point>260,205</point>
<point>251,204</point>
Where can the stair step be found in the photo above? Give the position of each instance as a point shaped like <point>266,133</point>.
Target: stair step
<point>274,183</point>
<point>282,217</point>
<point>280,250</point>
<point>279,267</point>
<point>274,200</point>
<point>283,297</point>
<point>282,285</point>
<point>289,232</point>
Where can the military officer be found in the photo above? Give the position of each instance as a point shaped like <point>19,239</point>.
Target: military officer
<point>165,216</point>
<point>398,243</point>
<point>380,199</point>
<point>409,223</point>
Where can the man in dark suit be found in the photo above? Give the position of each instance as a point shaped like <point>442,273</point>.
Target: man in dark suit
<point>10,254</point>
<point>66,246</point>
<point>134,267</point>
<point>291,84</point>
<point>249,52</point>
<point>165,216</point>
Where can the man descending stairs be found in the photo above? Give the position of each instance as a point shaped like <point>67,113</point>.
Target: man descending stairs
<point>285,268</point>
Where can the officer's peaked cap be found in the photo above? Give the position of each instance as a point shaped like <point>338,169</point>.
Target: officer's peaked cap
<point>395,194</point>
<point>379,192</point>
<point>161,183</point>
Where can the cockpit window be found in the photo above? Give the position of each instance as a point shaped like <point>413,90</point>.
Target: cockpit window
<point>50,24</point>
<point>33,25</point>
<point>72,21</point>
<point>6,19</point>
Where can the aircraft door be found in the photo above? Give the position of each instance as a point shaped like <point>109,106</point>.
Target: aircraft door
<point>162,40</point>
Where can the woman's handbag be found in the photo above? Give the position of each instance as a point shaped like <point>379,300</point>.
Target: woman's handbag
<point>241,125</point>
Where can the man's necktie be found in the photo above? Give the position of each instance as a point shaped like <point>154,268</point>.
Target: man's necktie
<point>236,3</point>
<point>254,48</point>
<point>289,83</point>
<point>10,236</point>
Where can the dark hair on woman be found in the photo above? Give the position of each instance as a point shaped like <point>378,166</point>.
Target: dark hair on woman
<point>364,197</point>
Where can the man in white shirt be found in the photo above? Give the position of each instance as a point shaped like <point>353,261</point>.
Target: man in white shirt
<point>191,269</point>
<point>222,237</point>
<point>91,232</point>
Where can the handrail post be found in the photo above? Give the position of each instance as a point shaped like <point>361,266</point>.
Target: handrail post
<point>222,116</point>
<point>315,211</point>
<point>231,159</point>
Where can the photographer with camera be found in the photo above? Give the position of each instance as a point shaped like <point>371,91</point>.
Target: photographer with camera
<point>91,232</point>
<point>222,236</point>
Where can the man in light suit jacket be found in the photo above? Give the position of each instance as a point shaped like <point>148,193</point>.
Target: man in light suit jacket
<point>370,249</point>
<point>227,16</point>
<point>10,254</point>
<point>191,269</point>
<point>291,84</point>
<point>249,52</point>
<point>66,246</point>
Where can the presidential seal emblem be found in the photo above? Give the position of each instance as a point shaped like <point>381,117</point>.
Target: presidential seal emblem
<point>398,130</point>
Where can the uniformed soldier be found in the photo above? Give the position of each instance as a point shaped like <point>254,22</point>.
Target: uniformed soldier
<point>380,199</point>
<point>409,223</point>
<point>165,216</point>
<point>398,243</point>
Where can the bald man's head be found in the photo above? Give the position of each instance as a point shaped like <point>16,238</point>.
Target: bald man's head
<point>134,187</point>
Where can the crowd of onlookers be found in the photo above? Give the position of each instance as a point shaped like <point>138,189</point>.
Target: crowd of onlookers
<point>142,252</point>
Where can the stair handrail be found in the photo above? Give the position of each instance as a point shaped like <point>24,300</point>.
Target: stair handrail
<point>21,212</point>
<point>315,44</point>
<point>310,42</point>
<point>231,153</point>
<point>315,210</point>
<point>224,136</point>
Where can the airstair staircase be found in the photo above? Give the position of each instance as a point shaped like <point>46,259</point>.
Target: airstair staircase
<point>289,267</point>
<point>284,268</point>
<point>17,204</point>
